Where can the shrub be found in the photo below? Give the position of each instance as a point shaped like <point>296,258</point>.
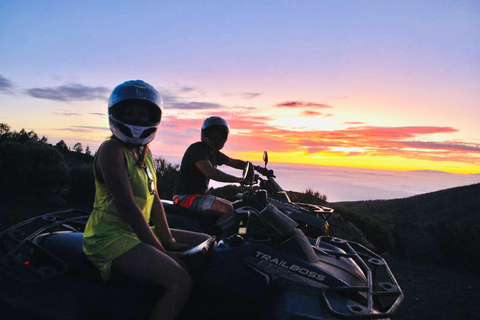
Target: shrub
<point>32,167</point>
<point>82,184</point>
<point>308,196</point>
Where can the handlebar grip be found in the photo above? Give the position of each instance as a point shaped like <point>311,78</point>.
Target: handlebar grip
<point>265,172</point>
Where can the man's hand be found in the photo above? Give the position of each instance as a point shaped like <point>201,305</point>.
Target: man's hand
<point>244,182</point>
<point>264,171</point>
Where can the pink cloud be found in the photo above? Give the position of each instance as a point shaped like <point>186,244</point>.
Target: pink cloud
<point>312,113</point>
<point>353,123</point>
<point>299,104</point>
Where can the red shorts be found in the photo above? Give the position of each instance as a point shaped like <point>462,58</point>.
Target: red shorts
<point>196,202</point>
<point>186,200</point>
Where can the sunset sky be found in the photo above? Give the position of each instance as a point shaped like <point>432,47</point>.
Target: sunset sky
<point>369,84</point>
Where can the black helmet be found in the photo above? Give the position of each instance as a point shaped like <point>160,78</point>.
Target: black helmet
<point>215,132</point>
<point>135,92</point>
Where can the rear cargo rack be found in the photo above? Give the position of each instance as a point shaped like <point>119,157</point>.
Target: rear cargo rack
<point>23,260</point>
<point>378,299</point>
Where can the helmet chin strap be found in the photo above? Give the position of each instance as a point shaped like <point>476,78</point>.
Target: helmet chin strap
<point>221,146</point>
<point>137,132</point>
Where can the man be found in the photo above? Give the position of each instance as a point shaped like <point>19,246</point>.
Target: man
<point>199,165</point>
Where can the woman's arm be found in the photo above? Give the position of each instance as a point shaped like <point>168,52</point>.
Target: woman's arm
<point>111,164</point>
<point>159,220</point>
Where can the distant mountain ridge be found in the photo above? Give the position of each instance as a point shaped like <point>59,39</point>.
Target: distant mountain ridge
<point>441,226</point>
<point>426,170</point>
<point>432,207</point>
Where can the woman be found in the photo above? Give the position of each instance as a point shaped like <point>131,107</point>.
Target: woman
<point>118,238</point>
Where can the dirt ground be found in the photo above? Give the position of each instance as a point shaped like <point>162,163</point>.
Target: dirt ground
<point>432,291</point>
<point>435,291</point>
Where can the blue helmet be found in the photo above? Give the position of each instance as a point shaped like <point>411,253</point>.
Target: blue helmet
<point>136,92</point>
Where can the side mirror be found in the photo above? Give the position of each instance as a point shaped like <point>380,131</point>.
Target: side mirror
<point>265,158</point>
<point>249,172</point>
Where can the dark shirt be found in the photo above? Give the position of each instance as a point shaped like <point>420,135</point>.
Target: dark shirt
<point>190,179</point>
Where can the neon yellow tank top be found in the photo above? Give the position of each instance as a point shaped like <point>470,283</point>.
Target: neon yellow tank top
<point>107,234</point>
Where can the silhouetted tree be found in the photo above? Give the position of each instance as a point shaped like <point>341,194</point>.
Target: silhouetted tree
<point>87,151</point>
<point>24,136</point>
<point>166,177</point>
<point>4,128</point>
<point>77,147</point>
<point>62,146</point>
<point>4,132</point>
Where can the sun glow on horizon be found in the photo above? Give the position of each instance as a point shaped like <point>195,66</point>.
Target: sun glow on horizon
<point>363,161</point>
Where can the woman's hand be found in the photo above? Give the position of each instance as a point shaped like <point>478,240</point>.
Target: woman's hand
<point>173,245</point>
<point>178,247</point>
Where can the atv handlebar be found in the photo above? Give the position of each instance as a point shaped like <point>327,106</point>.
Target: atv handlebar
<point>251,177</point>
<point>265,172</point>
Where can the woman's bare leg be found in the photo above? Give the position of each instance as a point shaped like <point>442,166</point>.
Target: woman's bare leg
<point>147,264</point>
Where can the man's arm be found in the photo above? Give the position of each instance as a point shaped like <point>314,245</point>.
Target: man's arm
<point>212,173</point>
<point>237,164</point>
<point>240,164</point>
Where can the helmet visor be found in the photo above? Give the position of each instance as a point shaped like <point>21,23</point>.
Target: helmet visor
<point>217,138</point>
<point>217,132</point>
<point>137,113</point>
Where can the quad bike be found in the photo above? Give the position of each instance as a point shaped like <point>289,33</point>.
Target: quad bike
<point>270,271</point>
<point>312,219</point>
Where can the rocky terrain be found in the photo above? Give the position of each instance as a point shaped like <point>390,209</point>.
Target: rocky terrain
<point>435,242</point>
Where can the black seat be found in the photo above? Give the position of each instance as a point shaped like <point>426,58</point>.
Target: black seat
<point>68,246</point>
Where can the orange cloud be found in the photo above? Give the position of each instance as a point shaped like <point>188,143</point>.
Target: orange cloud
<point>253,134</point>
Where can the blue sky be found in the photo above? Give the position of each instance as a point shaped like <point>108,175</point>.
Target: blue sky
<point>368,84</point>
